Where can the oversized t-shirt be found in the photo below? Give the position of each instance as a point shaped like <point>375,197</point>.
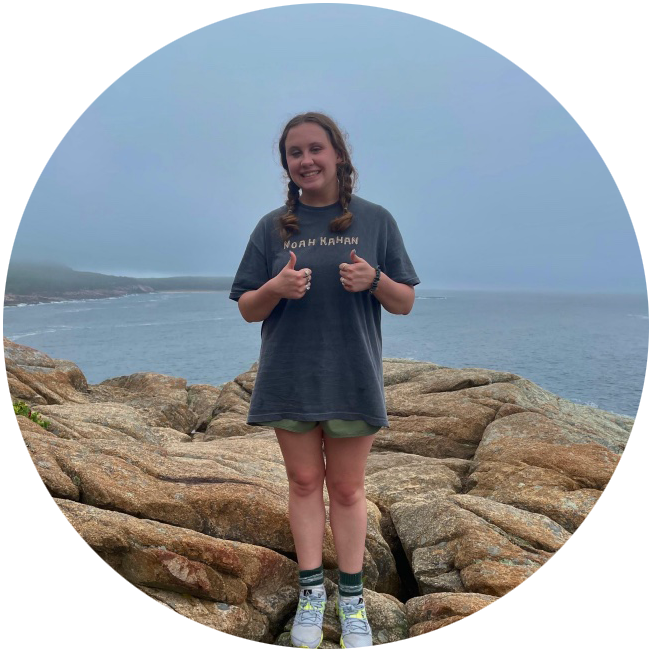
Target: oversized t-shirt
<point>321,355</point>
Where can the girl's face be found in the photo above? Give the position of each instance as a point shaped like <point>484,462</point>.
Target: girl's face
<point>312,164</point>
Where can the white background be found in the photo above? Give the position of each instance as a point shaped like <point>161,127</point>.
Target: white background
<point>59,56</point>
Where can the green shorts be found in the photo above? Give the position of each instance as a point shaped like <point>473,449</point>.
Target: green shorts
<point>332,427</point>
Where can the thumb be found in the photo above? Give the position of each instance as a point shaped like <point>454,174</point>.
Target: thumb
<point>354,257</point>
<point>293,260</point>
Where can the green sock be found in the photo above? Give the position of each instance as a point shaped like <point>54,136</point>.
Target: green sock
<point>313,577</point>
<point>350,584</point>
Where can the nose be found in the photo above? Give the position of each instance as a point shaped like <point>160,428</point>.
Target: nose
<point>306,160</point>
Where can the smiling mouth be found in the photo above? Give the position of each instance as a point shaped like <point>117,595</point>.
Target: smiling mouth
<point>308,175</point>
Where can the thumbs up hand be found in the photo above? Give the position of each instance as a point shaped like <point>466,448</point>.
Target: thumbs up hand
<point>291,283</point>
<point>358,275</point>
<point>355,258</point>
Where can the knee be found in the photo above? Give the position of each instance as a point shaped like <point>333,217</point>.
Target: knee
<point>345,493</point>
<point>305,482</point>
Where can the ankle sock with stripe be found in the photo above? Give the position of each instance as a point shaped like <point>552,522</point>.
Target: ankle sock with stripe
<point>350,584</point>
<point>314,577</point>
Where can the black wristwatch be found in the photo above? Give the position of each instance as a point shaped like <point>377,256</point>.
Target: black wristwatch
<point>374,285</point>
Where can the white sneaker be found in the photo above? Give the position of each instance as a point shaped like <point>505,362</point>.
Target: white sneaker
<point>356,631</point>
<point>307,627</point>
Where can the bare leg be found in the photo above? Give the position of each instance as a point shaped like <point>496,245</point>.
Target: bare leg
<point>304,465</point>
<point>345,465</point>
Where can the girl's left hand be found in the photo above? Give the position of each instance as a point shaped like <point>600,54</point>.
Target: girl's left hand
<point>358,275</point>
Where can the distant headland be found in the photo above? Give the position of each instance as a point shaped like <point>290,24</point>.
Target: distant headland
<point>46,282</point>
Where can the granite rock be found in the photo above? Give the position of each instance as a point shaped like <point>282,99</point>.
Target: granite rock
<point>481,477</point>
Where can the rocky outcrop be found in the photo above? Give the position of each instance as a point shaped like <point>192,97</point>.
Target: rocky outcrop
<point>434,610</point>
<point>38,379</point>
<point>240,588</point>
<point>480,479</point>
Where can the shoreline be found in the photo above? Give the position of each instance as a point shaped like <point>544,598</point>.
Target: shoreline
<point>19,300</point>
<point>13,301</point>
<point>187,291</point>
<point>31,299</point>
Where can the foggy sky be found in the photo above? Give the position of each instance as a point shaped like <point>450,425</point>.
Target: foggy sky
<point>493,184</point>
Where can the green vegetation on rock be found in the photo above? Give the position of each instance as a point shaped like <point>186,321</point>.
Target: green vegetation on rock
<point>20,407</point>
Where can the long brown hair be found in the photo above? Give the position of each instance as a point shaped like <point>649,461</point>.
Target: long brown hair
<point>346,174</point>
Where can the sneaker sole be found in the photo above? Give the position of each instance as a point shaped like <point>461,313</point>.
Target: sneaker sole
<point>312,648</point>
<point>344,646</point>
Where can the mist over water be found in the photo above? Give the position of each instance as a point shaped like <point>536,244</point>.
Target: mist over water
<point>589,348</point>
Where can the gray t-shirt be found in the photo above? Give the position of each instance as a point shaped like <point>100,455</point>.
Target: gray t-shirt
<point>321,355</point>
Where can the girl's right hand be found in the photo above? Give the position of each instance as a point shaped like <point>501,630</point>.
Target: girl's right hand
<point>290,283</point>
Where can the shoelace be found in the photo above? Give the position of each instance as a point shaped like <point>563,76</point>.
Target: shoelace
<point>351,624</point>
<point>314,614</point>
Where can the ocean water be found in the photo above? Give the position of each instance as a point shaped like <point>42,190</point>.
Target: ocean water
<point>588,348</point>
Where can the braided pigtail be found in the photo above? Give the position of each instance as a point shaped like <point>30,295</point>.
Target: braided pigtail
<point>346,176</point>
<point>289,223</point>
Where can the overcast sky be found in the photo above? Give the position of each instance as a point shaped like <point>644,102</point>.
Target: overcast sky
<point>493,184</point>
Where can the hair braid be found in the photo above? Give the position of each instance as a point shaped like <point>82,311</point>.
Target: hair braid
<point>289,223</point>
<point>345,178</point>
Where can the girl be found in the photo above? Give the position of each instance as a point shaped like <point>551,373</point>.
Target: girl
<point>316,273</point>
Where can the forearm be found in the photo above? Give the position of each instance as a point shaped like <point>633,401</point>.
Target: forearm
<point>397,298</point>
<point>256,305</point>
